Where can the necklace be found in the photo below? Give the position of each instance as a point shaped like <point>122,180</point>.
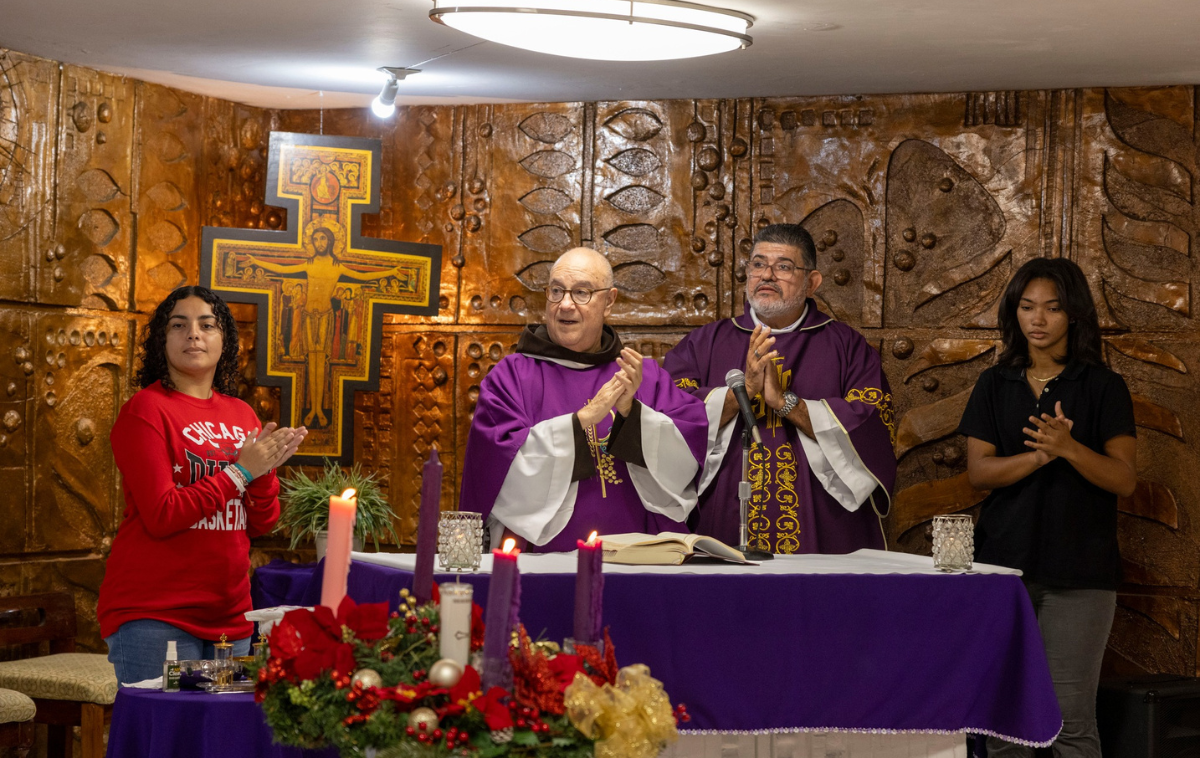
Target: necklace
<point>1040,379</point>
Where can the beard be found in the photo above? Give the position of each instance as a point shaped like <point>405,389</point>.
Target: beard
<point>770,308</point>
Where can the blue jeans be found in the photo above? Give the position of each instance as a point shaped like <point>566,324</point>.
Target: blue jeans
<point>138,648</point>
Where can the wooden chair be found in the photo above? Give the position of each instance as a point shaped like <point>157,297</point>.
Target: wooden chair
<point>16,722</point>
<point>69,689</point>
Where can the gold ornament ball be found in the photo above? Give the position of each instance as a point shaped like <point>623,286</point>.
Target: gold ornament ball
<point>446,672</point>
<point>426,716</point>
<point>367,678</point>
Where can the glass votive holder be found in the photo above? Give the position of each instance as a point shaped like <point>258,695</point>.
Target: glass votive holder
<point>460,540</point>
<point>953,542</point>
<point>570,646</point>
<point>223,660</point>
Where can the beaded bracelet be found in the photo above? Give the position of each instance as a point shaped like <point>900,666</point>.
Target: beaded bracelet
<point>245,472</point>
<point>234,472</point>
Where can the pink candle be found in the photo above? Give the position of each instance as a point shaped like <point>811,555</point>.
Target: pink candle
<point>342,513</point>
<point>504,604</point>
<point>427,527</point>
<point>589,590</point>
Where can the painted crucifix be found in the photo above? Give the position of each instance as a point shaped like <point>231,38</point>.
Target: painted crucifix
<point>321,287</point>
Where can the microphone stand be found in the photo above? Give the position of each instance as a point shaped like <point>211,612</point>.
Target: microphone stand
<point>744,502</point>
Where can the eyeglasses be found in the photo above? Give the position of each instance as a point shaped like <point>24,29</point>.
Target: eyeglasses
<point>579,295</point>
<point>783,270</point>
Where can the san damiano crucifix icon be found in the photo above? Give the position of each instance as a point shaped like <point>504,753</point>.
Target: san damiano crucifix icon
<point>321,287</point>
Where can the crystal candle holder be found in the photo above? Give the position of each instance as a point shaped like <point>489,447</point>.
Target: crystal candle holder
<point>460,540</point>
<point>953,542</point>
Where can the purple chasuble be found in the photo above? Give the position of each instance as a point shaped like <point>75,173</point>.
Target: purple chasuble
<point>790,511</point>
<point>523,390</point>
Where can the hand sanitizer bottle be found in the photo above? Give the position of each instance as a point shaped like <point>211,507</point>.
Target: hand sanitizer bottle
<point>171,672</point>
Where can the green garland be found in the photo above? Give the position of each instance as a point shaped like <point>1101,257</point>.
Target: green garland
<point>325,711</point>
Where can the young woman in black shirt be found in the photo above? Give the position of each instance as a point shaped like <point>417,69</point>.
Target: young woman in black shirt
<point>1050,431</point>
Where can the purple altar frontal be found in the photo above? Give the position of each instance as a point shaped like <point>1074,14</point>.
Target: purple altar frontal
<point>152,724</point>
<point>871,642</point>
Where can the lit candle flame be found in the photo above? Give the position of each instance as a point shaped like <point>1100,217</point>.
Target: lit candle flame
<point>348,494</point>
<point>592,537</point>
<point>509,544</point>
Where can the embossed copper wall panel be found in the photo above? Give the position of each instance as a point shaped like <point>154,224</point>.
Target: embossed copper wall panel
<point>28,118</point>
<point>922,206</point>
<point>94,219</point>
<point>170,143</point>
<point>521,204</point>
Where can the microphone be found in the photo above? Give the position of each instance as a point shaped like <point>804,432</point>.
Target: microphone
<point>736,381</point>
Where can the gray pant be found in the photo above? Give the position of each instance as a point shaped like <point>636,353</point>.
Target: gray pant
<point>1075,626</point>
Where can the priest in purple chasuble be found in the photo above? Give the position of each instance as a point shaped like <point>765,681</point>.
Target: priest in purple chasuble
<point>822,478</point>
<point>574,432</point>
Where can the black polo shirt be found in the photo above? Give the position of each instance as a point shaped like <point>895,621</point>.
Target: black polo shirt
<point>1054,525</point>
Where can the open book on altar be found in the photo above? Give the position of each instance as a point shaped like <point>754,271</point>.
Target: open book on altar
<point>666,549</point>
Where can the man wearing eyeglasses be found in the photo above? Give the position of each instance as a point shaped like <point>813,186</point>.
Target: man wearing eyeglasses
<point>575,432</point>
<point>822,477</point>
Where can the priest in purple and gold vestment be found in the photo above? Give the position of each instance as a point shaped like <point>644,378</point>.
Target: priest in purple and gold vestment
<point>574,432</point>
<point>822,478</point>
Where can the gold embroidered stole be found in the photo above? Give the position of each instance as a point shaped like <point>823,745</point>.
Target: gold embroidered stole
<point>772,523</point>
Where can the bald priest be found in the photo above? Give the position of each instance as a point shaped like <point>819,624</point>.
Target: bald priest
<point>574,432</point>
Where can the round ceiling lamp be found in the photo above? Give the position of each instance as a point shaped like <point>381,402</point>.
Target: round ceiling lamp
<point>606,30</point>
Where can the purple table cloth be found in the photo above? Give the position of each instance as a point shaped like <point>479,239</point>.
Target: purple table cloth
<point>777,653</point>
<point>153,724</point>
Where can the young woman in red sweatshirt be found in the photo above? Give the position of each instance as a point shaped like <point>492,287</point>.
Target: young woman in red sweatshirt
<point>199,481</point>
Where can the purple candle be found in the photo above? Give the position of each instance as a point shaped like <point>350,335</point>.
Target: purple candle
<point>427,526</point>
<point>589,591</point>
<point>504,603</point>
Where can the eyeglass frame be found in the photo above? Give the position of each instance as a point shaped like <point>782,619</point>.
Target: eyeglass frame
<point>751,263</point>
<point>571,292</point>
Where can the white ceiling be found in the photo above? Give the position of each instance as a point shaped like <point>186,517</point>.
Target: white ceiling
<point>282,53</point>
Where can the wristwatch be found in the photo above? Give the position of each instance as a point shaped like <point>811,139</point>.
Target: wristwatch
<point>790,401</point>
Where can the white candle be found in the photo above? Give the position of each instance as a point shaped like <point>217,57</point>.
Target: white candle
<point>342,513</point>
<point>454,639</point>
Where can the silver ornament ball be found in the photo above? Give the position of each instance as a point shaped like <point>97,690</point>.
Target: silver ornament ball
<point>445,672</point>
<point>367,678</point>
<point>426,716</point>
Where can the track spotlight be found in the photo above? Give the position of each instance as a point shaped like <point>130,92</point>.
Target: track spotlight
<point>385,105</point>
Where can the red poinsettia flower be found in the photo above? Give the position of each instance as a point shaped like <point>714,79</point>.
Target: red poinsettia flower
<point>406,695</point>
<point>468,685</point>
<point>343,660</point>
<point>461,694</point>
<point>495,713</point>
<point>285,640</point>
<point>313,641</point>
<point>304,643</point>
<point>368,621</point>
<point>564,668</point>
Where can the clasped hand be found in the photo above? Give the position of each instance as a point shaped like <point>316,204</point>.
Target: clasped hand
<point>761,377</point>
<point>1052,436</point>
<point>270,448</point>
<point>618,392</point>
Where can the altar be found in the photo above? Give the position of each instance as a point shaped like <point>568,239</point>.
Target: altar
<point>844,651</point>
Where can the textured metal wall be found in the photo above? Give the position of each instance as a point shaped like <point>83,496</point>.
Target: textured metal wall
<point>922,205</point>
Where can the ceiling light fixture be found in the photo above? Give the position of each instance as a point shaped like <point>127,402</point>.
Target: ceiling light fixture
<point>607,30</point>
<point>385,105</point>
